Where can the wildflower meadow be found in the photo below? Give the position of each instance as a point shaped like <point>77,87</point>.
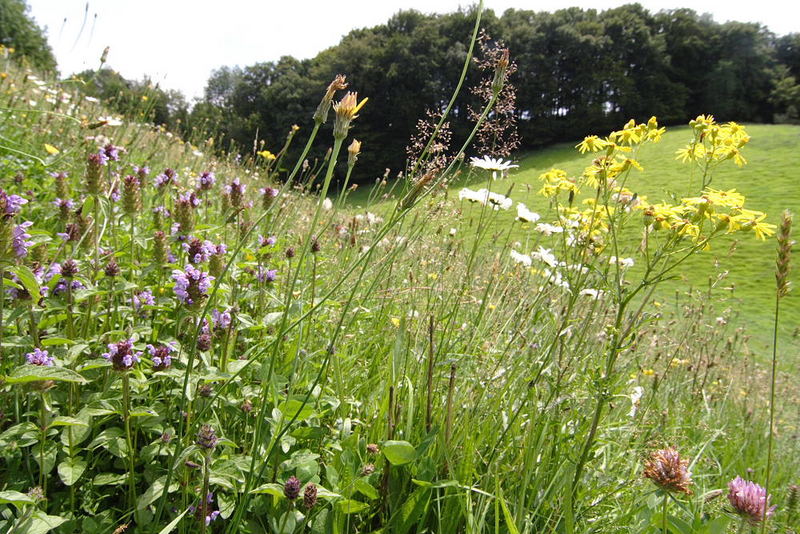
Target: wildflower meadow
<point>201,340</point>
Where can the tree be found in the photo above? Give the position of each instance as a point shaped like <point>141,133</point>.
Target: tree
<point>20,32</point>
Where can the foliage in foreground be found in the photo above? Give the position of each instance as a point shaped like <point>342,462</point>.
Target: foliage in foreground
<point>187,345</point>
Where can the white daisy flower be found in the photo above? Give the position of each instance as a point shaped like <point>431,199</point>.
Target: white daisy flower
<point>492,164</point>
<point>548,229</point>
<point>524,259</point>
<point>625,263</point>
<point>544,254</point>
<point>526,215</point>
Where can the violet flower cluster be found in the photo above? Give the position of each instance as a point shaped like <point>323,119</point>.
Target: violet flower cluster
<point>40,357</point>
<point>121,355</point>
<point>749,500</point>
<point>191,285</point>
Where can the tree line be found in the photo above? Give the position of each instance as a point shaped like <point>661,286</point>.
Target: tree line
<point>579,71</point>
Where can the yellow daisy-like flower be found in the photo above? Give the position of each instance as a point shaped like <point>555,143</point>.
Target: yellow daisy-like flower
<point>267,155</point>
<point>591,143</point>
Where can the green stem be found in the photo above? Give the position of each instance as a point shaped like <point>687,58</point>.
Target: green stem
<point>771,410</point>
<point>126,416</point>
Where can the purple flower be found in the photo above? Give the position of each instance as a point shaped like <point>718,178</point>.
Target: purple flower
<point>40,357</point>
<point>190,198</point>
<point>60,175</point>
<point>749,500</point>
<point>61,286</point>
<point>10,204</point>
<point>266,275</point>
<point>161,211</point>
<point>142,298</point>
<point>19,239</point>
<point>204,511</point>
<point>169,176</point>
<point>207,437</point>
<point>64,204</point>
<point>199,251</point>
<point>222,320</point>
<point>121,355</point>
<point>115,196</point>
<point>269,192</point>
<point>112,152</point>
<point>141,172</point>
<point>191,285</point>
<point>99,159</point>
<point>161,356</point>
<point>267,241</point>
<point>206,180</point>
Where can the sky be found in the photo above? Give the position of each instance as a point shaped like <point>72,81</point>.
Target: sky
<point>178,43</point>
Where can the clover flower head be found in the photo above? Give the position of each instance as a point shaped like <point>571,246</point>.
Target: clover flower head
<point>749,500</point>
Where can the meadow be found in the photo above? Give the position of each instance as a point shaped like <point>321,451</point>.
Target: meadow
<point>211,342</point>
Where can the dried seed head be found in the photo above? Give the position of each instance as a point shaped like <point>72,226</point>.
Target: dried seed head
<point>338,84</point>
<point>668,471</point>
<point>310,495</point>
<point>785,244</point>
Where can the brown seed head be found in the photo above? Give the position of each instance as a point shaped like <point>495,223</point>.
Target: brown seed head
<point>668,471</point>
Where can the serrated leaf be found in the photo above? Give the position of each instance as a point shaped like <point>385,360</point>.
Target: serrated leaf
<point>399,452</point>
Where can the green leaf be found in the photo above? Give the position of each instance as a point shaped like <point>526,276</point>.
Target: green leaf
<point>70,470</point>
<point>295,408</point>
<point>399,452</point>
<point>349,506</point>
<point>411,510</point>
<point>509,519</point>
<point>51,341</point>
<point>154,492</point>
<point>34,373</point>
<point>39,523</point>
<point>273,489</point>
<point>109,479</point>
<point>49,455</point>
<point>67,421</point>
<point>366,489</point>
<point>16,498</point>
<point>28,280</point>
<point>172,524</point>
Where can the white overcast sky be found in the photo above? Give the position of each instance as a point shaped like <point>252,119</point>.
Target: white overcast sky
<point>179,42</point>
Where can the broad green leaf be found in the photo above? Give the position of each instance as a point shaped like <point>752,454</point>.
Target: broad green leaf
<point>40,523</point>
<point>16,498</point>
<point>70,470</point>
<point>399,452</point>
<point>109,479</point>
<point>67,421</point>
<point>273,489</point>
<point>153,493</point>
<point>28,281</point>
<point>34,373</point>
<point>349,506</point>
<point>366,489</point>
<point>295,408</point>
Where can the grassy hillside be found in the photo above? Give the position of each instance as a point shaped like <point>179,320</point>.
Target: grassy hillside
<point>739,270</point>
<point>191,343</point>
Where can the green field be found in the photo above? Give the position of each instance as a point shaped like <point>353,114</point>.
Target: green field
<point>770,181</point>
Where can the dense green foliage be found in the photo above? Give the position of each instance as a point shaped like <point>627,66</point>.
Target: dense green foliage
<point>20,32</point>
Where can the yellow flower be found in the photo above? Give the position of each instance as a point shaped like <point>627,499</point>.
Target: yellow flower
<point>51,149</point>
<point>267,155</point>
<point>648,372</point>
<point>591,143</point>
<point>396,322</point>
